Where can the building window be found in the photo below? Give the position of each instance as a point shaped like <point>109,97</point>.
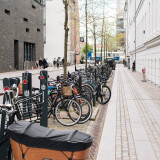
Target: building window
<point>29,51</point>
<point>27,29</point>
<point>7,11</point>
<point>34,7</point>
<point>38,30</point>
<point>25,19</point>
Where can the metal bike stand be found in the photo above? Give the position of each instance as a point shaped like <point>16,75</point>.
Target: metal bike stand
<point>27,91</point>
<point>4,138</point>
<point>6,86</point>
<point>44,98</point>
<point>94,94</point>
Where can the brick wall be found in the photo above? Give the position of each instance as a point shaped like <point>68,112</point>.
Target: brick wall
<point>13,27</point>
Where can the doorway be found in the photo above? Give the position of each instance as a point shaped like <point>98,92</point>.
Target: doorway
<point>16,53</point>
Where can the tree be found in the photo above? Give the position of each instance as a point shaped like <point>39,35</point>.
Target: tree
<point>89,47</point>
<point>86,14</point>
<point>66,28</point>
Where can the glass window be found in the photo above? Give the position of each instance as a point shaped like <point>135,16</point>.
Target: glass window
<point>29,51</point>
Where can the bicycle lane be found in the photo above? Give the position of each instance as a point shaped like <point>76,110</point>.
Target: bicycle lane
<point>125,133</point>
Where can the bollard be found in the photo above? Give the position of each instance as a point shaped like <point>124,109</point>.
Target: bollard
<point>27,92</point>
<point>144,75</point>
<point>44,97</point>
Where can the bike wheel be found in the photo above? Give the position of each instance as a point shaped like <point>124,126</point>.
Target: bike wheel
<point>86,109</point>
<point>86,92</point>
<point>104,95</point>
<point>68,112</point>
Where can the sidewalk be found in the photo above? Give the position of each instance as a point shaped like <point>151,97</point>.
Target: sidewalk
<point>132,125</point>
<point>35,71</point>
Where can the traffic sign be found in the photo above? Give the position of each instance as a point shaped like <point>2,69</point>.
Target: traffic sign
<point>81,39</point>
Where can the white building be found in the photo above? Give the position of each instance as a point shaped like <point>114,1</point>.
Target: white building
<point>120,23</point>
<point>144,48</point>
<point>55,16</point>
<point>54,46</point>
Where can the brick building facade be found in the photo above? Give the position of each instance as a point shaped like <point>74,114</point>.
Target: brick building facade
<point>74,31</point>
<point>21,33</point>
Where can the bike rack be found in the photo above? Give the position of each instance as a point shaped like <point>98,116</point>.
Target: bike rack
<point>4,138</point>
<point>44,90</point>
<point>27,90</point>
<point>5,146</point>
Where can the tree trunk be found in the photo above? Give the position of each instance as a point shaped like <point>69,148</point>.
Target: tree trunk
<point>65,2</point>
<point>86,34</point>
<point>101,48</point>
<point>102,35</point>
<point>104,47</point>
<point>94,27</point>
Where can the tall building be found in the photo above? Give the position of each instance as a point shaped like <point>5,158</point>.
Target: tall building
<point>120,25</point>
<point>143,26</point>
<point>75,31</point>
<point>21,33</point>
<point>54,46</point>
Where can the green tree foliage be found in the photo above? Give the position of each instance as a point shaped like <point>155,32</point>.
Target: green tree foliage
<point>89,47</point>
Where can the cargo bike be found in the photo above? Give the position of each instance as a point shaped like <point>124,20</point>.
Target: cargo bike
<point>30,141</point>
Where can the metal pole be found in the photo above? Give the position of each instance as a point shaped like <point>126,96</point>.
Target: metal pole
<point>44,98</point>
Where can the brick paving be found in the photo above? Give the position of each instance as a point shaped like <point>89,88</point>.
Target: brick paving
<point>97,128</point>
<point>132,125</point>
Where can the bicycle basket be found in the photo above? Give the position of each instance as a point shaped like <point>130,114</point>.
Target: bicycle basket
<point>29,108</point>
<point>67,91</point>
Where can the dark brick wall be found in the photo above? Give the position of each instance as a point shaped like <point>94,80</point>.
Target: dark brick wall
<point>13,27</point>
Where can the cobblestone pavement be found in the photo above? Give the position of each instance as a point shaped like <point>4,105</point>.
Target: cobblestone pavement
<point>132,125</point>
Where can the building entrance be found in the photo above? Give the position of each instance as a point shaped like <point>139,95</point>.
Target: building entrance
<point>16,50</point>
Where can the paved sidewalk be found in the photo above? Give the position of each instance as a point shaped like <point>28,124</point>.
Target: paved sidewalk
<point>132,125</point>
<point>34,71</point>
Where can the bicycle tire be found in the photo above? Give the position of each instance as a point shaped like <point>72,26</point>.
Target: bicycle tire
<point>87,109</point>
<point>104,98</point>
<point>67,110</point>
<point>87,92</point>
